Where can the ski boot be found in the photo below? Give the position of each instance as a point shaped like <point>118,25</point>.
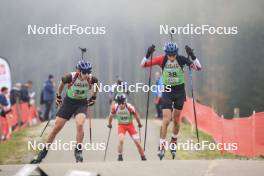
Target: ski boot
<point>120,157</point>
<point>37,159</point>
<point>161,151</point>
<point>78,155</point>
<point>143,158</point>
<point>173,146</point>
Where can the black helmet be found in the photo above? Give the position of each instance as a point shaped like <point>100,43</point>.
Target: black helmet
<point>120,98</point>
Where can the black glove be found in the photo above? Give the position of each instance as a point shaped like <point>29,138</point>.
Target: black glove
<point>109,126</point>
<point>91,101</point>
<point>150,51</point>
<point>139,126</point>
<point>189,52</point>
<point>58,100</point>
<point>3,113</point>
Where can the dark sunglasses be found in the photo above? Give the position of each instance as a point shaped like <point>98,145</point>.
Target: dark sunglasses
<point>120,103</point>
<point>85,72</point>
<point>171,55</point>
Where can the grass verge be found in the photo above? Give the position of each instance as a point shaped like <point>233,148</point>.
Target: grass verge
<point>187,133</point>
<point>14,150</point>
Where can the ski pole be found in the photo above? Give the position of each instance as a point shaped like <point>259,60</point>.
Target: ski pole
<point>90,123</point>
<point>83,50</point>
<point>171,37</point>
<point>45,128</point>
<point>194,108</point>
<point>149,81</point>
<point>107,143</point>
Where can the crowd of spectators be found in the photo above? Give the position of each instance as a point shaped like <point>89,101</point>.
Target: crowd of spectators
<point>23,94</point>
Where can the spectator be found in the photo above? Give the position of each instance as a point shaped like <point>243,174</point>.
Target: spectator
<point>25,96</point>
<point>15,94</point>
<point>157,95</point>
<point>4,105</point>
<point>48,95</point>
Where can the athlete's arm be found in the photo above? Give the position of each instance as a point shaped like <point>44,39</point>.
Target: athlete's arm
<point>95,84</point>
<point>155,61</point>
<point>137,117</point>
<point>110,119</point>
<point>111,115</point>
<point>135,113</point>
<point>64,80</point>
<point>60,88</point>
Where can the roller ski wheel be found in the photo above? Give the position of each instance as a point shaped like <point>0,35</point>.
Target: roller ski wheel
<point>78,156</point>
<point>173,151</point>
<point>161,152</point>
<point>173,154</point>
<point>37,159</point>
<point>120,158</point>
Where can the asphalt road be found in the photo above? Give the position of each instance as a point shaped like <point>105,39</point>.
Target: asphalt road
<point>62,162</point>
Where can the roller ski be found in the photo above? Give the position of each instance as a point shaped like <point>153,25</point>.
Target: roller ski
<point>173,146</point>
<point>161,152</point>
<point>143,158</point>
<point>37,159</point>
<point>78,155</point>
<point>120,158</point>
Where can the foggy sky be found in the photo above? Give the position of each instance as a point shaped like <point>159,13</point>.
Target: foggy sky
<point>232,64</point>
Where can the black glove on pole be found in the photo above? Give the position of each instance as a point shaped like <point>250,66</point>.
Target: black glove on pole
<point>189,52</point>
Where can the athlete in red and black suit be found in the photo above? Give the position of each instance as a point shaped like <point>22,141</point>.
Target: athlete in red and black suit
<point>172,101</point>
